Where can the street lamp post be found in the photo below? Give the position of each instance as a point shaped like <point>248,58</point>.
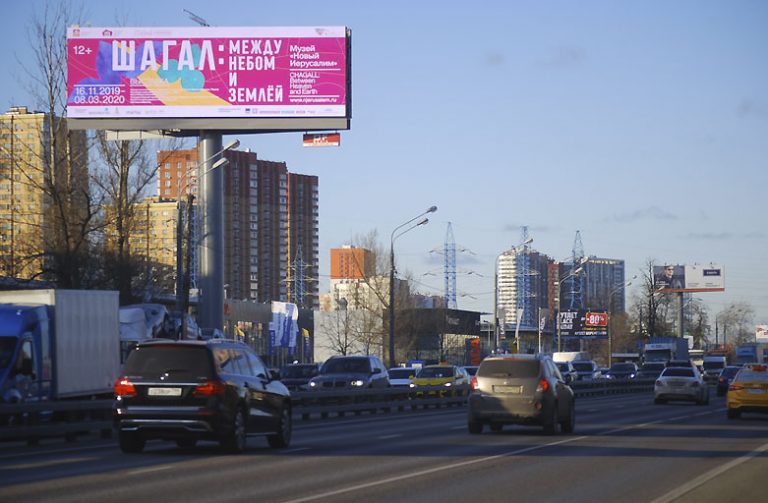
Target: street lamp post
<point>610,315</point>
<point>392,238</point>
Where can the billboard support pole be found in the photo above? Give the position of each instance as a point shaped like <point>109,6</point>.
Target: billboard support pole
<point>681,317</point>
<point>211,242</point>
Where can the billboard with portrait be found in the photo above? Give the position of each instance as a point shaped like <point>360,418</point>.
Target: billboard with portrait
<point>689,278</point>
<point>208,77</point>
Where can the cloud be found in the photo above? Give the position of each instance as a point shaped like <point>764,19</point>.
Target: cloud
<point>565,56</point>
<point>494,59</point>
<point>752,108</point>
<point>651,213</point>
<point>717,236</point>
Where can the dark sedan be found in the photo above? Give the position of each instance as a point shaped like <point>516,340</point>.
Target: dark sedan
<point>725,378</point>
<point>625,370</point>
<point>296,376</point>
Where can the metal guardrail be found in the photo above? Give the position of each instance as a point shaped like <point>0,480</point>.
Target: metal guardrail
<point>32,421</point>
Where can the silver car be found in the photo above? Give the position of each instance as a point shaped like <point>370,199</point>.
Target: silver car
<point>520,389</point>
<point>681,383</point>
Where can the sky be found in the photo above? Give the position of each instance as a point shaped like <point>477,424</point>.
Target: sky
<point>642,125</point>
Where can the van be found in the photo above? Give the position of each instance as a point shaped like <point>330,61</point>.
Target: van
<point>713,365</point>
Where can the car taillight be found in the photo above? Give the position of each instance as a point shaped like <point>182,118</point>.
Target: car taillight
<point>735,387</point>
<point>209,388</point>
<point>124,387</point>
<point>722,379</point>
<point>659,382</point>
<point>473,383</point>
<point>543,386</point>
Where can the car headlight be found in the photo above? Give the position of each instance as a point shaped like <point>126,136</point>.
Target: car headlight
<point>357,383</point>
<point>411,385</point>
<point>312,384</point>
<point>448,384</point>
<point>631,376</point>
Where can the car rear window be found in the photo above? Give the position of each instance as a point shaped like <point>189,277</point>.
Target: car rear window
<point>178,362</point>
<point>677,372</point>
<point>751,376</point>
<point>509,368</point>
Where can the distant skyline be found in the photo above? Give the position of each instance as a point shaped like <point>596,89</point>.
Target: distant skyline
<point>644,125</point>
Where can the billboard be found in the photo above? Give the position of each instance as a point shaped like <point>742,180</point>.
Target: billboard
<point>689,278</point>
<point>584,324</point>
<point>183,77</point>
<point>761,333</point>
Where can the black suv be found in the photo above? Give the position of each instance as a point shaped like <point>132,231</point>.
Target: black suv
<point>296,376</point>
<point>350,372</point>
<point>186,391</point>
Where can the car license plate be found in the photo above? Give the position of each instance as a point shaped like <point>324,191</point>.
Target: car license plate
<point>755,391</point>
<point>164,392</point>
<point>508,389</point>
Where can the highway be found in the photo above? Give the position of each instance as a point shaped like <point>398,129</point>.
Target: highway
<point>625,449</point>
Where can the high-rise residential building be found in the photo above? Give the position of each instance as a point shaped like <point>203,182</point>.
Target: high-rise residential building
<point>349,262</point>
<point>271,223</point>
<point>604,284</point>
<point>522,286</point>
<point>38,157</point>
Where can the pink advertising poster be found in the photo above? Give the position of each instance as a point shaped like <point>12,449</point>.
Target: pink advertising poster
<point>207,72</point>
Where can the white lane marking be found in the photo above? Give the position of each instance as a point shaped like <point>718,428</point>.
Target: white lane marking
<point>43,464</point>
<point>149,470</point>
<point>706,477</point>
<point>298,449</point>
<point>387,437</point>
<point>453,466</point>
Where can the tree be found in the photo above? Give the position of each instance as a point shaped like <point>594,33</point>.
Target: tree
<point>735,325</point>
<point>56,164</point>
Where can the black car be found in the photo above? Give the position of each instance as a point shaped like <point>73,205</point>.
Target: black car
<point>651,370</point>
<point>185,391</point>
<point>296,376</point>
<point>725,378</point>
<point>350,372</point>
<point>625,370</point>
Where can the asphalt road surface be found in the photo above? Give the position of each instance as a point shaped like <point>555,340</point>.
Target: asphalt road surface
<point>625,449</point>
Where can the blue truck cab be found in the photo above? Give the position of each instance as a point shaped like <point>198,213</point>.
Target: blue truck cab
<point>25,353</point>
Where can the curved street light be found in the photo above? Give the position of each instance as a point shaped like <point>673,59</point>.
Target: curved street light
<point>392,238</point>
<point>610,311</point>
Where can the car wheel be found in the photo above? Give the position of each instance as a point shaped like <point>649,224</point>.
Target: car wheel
<point>734,413</point>
<point>186,443</point>
<point>130,442</point>
<point>474,427</point>
<point>550,426</point>
<point>234,441</point>
<point>496,427</point>
<point>282,436</point>
<point>569,424</point>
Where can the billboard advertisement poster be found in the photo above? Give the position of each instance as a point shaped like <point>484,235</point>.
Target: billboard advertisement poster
<point>584,324</point>
<point>761,333</point>
<point>212,72</point>
<point>689,278</point>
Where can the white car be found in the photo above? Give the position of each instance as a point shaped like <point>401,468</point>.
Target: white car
<point>401,376</point>
<point>681,383</point>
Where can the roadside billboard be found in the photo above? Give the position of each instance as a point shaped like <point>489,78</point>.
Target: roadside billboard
<point>761,333</point>
<point>584,324</point>
<point>689,278</point>
<point>208,77</point>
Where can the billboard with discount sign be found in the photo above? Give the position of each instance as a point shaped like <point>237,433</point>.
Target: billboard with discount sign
<point>584,324</point>
<point>183,77</point>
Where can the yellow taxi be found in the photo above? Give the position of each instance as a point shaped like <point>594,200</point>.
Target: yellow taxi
<point>450,377</point>
<point>748,391</point>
